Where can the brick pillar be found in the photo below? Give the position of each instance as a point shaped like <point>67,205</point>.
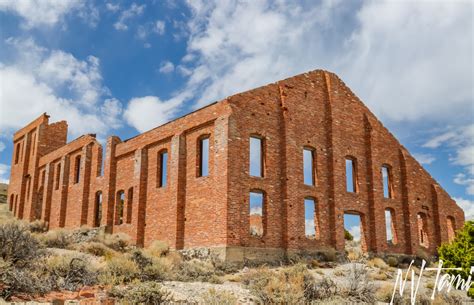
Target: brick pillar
<point>335,236</point>
<point>140,174</point>
<point>63,186</point>
<point>108,194</point>
<point>439,217</point>
<point>410,226</point>
<point>24,207</point>
<point>376,233</point>
<point>177,185</point>
<point>47,193</point>
<point>85,179</point>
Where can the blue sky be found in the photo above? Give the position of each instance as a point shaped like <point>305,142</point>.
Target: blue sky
<point>123,67</point>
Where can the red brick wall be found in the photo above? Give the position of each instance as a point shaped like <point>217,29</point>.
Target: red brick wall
<point>313,110</point>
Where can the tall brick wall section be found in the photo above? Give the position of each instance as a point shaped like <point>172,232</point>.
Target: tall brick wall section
<point>314,110</point>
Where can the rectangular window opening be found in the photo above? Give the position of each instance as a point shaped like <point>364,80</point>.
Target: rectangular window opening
<point>256,157</point>
<point>256,214</point>
<point>120,203</point>
<point>351,176</point>
<point>129,205</point>
<point>98,208</point>
<point>77,169</point>
<point>163,169</point>
<point>390,227</point>
<point>309,166</point>
<point>58,176</point>
<point>17,153</point>
<point>203,157</point>
<point>311,219</point>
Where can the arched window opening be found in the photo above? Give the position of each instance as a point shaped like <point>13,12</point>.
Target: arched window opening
<point>257,213</point>
<point>129,205</point>
<point>422,230</point>
<point>351,175</point>
<point>390,227</point>
<point>309,166</point>
<point>98,209</point>
<point>387,182</point>
<point>120,200</point>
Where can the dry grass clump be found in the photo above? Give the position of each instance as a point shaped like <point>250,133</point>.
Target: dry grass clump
<point>38,226</point>
<point>196,270</point>
<point>384,293</point>
<point>96,249</point>
<point>117,241</point>
<point>142,293</point>
<point>377,262</point>
<point>378,275</point>
<point>157,248</point>
<point>392,261</point>
<point>214,297</point>
<point>58,238</point>
<point>119,270</point>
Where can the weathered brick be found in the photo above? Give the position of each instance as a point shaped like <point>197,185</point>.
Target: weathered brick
<point>312,110</point>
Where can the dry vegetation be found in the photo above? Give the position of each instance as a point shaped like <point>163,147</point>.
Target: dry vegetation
<point>34,262</point>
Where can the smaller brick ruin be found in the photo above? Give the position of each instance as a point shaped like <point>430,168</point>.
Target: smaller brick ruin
<point>317,153</point>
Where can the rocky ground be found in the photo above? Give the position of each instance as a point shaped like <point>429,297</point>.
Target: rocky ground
<point>87,267</point>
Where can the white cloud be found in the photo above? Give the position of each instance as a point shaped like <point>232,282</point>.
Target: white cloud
<point>309,227</point>
<point>424,158</point>
<point>48,12</point>
<point>4,173</point>
<point>355,232</point>
<point>144,113</point>
<point>467,206</point>
<point>166,67</point>
<point>387,56</point>
<point>133,11</point>
<point>2,146</point>
<point>41,80</point>
<point>112,7</point>
<point>256,211</point>
<point>460,140</point>
<point>159,27</point>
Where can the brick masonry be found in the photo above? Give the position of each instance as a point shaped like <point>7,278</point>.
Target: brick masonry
<point>63,183</point>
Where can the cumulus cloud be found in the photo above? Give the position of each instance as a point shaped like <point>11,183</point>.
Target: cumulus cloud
<point>159,27</point>
<point>144,113</point>
<point>355,232</point>
<point>42,80</point>
<point>166,67</point>
<point>37,13</point>
<point>424,158</point>
<point>133,11</point>
<point>112,7</point>
<point>460,140</point>
<point>467,206</point>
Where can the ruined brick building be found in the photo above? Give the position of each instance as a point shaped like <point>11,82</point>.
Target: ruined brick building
<point>314,147</point>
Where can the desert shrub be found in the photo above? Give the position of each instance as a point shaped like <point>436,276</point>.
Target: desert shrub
<point>117,241</point>
<point>119,270</point>
<point>378,263</point>
<point>392,261</point>
<point>460,253</point>
<point>151,268</point>
<point>278,287</point>
<point>327,254</point>
<point>319,290</point>
<point>421,255</point>
<point>38,226</point>
<point>214,297</point>
<point>17,245</point>
<point>358,286</point>
<point>157,248</point>
<point>142,293</point>
<point>96,248</point>
<point>348,235</point>
<point>15,280</point>
<point>56,238</point>
<point>70,272</point>
<point>195,270</point>
<point>384,293</point>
